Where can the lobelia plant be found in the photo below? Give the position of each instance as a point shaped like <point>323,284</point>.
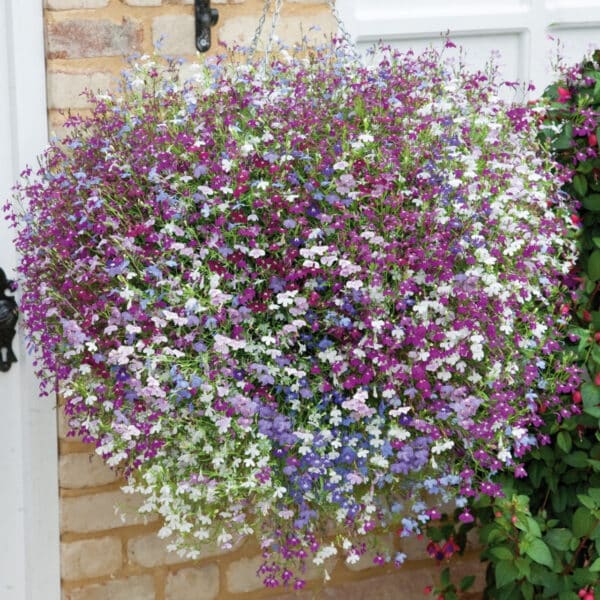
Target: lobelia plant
<point>542,538</point>
<point>302,302</point>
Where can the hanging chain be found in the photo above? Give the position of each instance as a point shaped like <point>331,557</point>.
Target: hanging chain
<point>346,37</point>
<point>259,28</point>
<point>275,20</point>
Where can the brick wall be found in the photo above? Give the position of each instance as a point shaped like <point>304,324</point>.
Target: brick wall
<point>104,557</point>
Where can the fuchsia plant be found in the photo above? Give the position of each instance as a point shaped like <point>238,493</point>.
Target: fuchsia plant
<point>302,302</point>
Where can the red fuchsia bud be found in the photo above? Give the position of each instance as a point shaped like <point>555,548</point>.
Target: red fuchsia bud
<point>582,592</point>
<point>587,317</point>
<point>563,94</point>
<point>589,596</point>
<point>575,219</point>
<point>592,139</point>
<point>576,397</point>
<point>428,589</point>
<point>597,337</point>
<point>564,309</point>
<point>597,379</point>
<point>513,519</point>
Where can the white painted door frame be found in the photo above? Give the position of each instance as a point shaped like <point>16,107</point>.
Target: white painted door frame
<point>29,545</point>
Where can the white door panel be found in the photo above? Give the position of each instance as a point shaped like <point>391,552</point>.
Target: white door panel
<point>525,32</point>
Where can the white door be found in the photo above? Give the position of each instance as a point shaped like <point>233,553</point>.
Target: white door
<point>525,32</point>
<point>28,454</point>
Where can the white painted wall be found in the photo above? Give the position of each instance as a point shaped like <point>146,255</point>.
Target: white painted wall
<point>519,29</point>
<point>29,556</point>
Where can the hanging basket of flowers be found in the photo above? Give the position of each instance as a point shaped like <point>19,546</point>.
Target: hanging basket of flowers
<point>300,302</point>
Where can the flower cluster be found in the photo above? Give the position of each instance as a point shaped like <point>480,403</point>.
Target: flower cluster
<point>302,302</point>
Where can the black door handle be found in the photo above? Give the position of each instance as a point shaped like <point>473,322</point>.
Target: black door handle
<point>9,313</point>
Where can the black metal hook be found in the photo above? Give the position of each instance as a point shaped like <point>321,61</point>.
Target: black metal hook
<point>9,313</point>
<point>206,17</point>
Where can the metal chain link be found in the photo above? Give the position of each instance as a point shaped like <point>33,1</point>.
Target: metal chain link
<point>274,22</point>
<point>259,28</point>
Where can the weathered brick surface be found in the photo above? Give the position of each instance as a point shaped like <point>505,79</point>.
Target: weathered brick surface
<point>90,558</point>
<point>75,4</point>
<point>241,575</point>
<point>85,38</point>
<point>130,588</point>
<point>174,35</point>
<point>65,89</point>
<point>98,512</point>
<point>84,470</point>
<point>195,583</point>
<point>290,29</point>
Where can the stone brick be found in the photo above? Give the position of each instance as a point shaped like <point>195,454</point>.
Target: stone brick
<point>86,38</point>
<point>196,583</point>
<point>290,29</point>
<point>65,89</point>
<point>241,575</point>
<point>131,588</point>
<point>174,35</point>
<point>97,512</point>
<point>151,551</point>
<point>143,2</point>
<point>84,470</point>
<point>75,4</point>
<point>90,558</point>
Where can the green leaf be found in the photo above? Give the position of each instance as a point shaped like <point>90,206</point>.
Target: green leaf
<point>563,439</point>
<point>593,411</point>
<point>585,167</point>
<point>466,582</point>
<point>540,553</point>
<point>592,202</point>
<point>445,577</point>
<point>559,538</point>
<point>593,266</point>
<point>529,525</point>
<point>580,185</point>
<point>567,595</point>
<point>583,522</point>
<point>586,501</point>
<point>527,590</point>
<point>590,394</point>
<point>564,140</point>
<point>577,459</point>
<point>506,572</point>
<point>502,553</point>
<point>596,241</point>
<point>595,566</point>
<point>584,576</point>
<point>595,494</point>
